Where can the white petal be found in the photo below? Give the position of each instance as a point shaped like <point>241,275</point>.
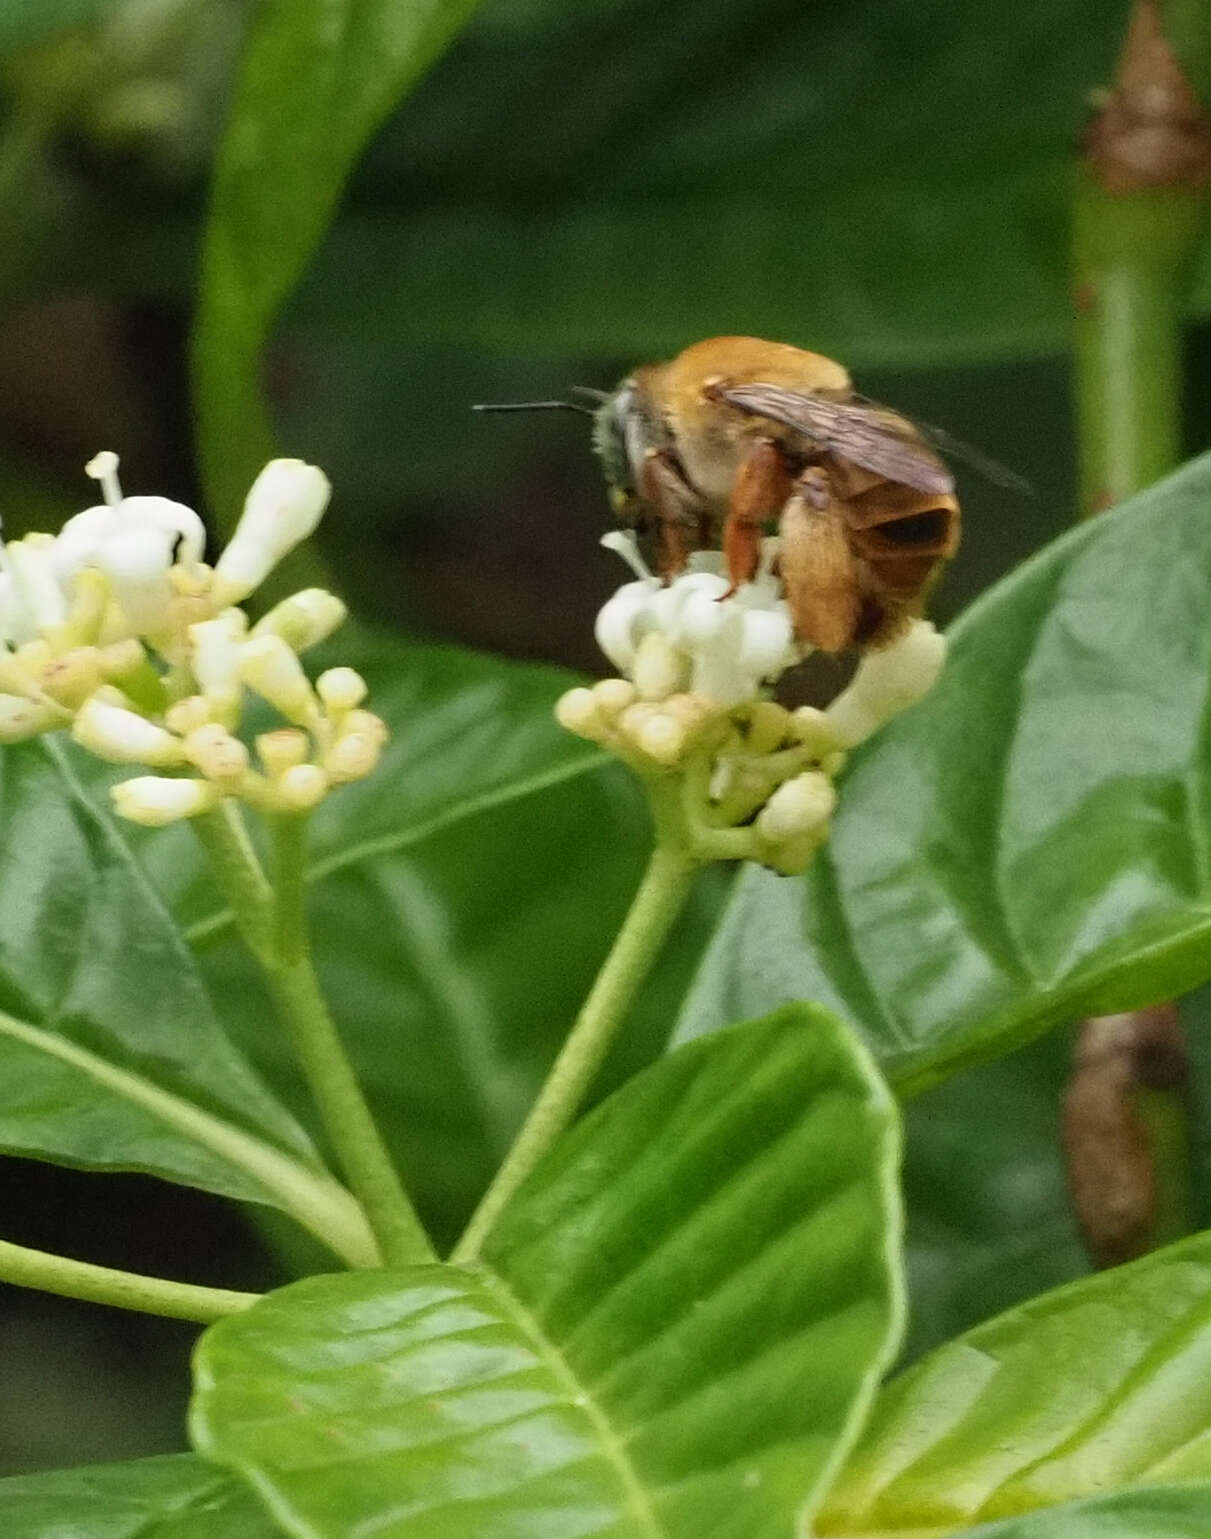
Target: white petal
<point>618,625</point>
<point>766,641</point>
<point>184,532</point>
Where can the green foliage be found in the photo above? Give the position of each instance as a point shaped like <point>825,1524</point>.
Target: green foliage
<point>110,1065</point>
<point>1100,1385</point>
<point>432,879</point>
<point>315,81</point>
<point>1029,844</point>
<point>673,1331</point>
<point>169,1498</point>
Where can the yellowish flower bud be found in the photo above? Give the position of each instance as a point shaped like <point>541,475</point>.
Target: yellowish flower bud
<point>71,678</point>
<point>613,696</point>
<point>268,666</point>
<point>799,806</point>
<point>282,750</point>
<point>303,619</point>
<point>213,750</point>
<point>659,669</point>
<point>155,801</point>
<point>301,787</point>
<point>341,689</point>
<point>579,712</point>
<point>186,716</point>
<point>21,718</point>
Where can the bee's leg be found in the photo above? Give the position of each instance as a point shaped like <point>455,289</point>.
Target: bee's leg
<point>759,490</point>
<point>677,509</point>
<point>819,575</point>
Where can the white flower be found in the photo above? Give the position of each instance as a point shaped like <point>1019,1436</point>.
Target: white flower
<point>286,502</point>
<point>723,648</point>
<point>303,619</point>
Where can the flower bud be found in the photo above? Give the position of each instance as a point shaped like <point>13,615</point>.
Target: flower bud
<point>358,748</point>
<point>303,619</point>
<point>301,787</point>
<point>612,696</point>
<point>658,669</point>
<point>269,666</point>
<point>213,750</point>
<point>888,682</point>
<point>216,649</point>
<point>37,598</point>
<point>186,716</point>
<point>21,718</point>
<point>281,750</point>
<point>340,689</point>
<point>155,801</point>
<point>579,712</point>
<point>124,737</point>
<point>73,676</point>
<point>284,505</point>
<point>661,736</point>
<point>799,806</point>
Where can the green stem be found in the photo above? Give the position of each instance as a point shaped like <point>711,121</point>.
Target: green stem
<point>1132,260</point>
<point>124,1290</point>
<point>347,1119</point>
<point>272,919</point>
<point>661,897</point>
<point>1139,218</point>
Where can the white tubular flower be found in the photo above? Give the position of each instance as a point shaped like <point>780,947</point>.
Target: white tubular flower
<point>155,800</point>
<point>886,683</point>
<point>124,737</point>
<point>286,502</point>
<point>269,666</point>
<point>722,648</point>
<point>215,652</point>
<point>303,619</point>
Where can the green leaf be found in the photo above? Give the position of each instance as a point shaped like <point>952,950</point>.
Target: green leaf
<point>1101,1384</point>
<point>674,1331</point>
<point>1030,843</point>
<point>110,1054</point>
<point>314,84</point>
<point>177,1497</point>
<point>22,24</point>
<point>1162,1512</point>
<point>455,935</point>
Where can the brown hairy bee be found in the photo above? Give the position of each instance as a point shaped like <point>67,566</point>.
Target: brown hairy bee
<point>736,434</point>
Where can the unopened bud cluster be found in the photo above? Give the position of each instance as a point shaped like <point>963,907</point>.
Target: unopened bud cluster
<point>117,630</point>
<point>755,779</point>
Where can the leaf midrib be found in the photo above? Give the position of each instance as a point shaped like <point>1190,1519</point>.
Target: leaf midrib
<point>610,1442</point>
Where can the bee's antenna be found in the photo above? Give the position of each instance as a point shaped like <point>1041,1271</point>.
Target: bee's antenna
<point>600,396</point>
<point>532,406</point>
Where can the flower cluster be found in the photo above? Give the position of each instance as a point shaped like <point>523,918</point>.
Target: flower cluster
<point>754,779</point>
<point>116,629</point>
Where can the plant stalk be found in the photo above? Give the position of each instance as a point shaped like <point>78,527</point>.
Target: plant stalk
<point>1139,218</point>
<point>271,917</point>
<point>26,1268</point>
<point>660,899</point>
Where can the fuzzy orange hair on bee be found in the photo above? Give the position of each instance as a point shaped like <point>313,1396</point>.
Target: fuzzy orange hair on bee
<point>736,436</point>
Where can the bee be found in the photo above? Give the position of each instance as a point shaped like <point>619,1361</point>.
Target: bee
<point>736,435</point>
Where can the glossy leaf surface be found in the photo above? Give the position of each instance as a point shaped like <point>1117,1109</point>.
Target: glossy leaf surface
<point>673,1332</point>
<point>177,1497</point>
<point>315,82</point>
<point>110,1053</point>
<point>1101,1384</point>
<point>1161,1512</point>
<point>1031,842</point>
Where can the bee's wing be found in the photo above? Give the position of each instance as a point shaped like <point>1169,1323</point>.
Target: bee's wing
<point>862,434</point>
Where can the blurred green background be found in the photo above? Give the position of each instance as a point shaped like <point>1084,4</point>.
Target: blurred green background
<point>568,190</point>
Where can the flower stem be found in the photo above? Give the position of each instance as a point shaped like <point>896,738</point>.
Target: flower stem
<point>1139,215</point>
<point>124,1290</point>
<point>660,899</point>
<point>271,917</point>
